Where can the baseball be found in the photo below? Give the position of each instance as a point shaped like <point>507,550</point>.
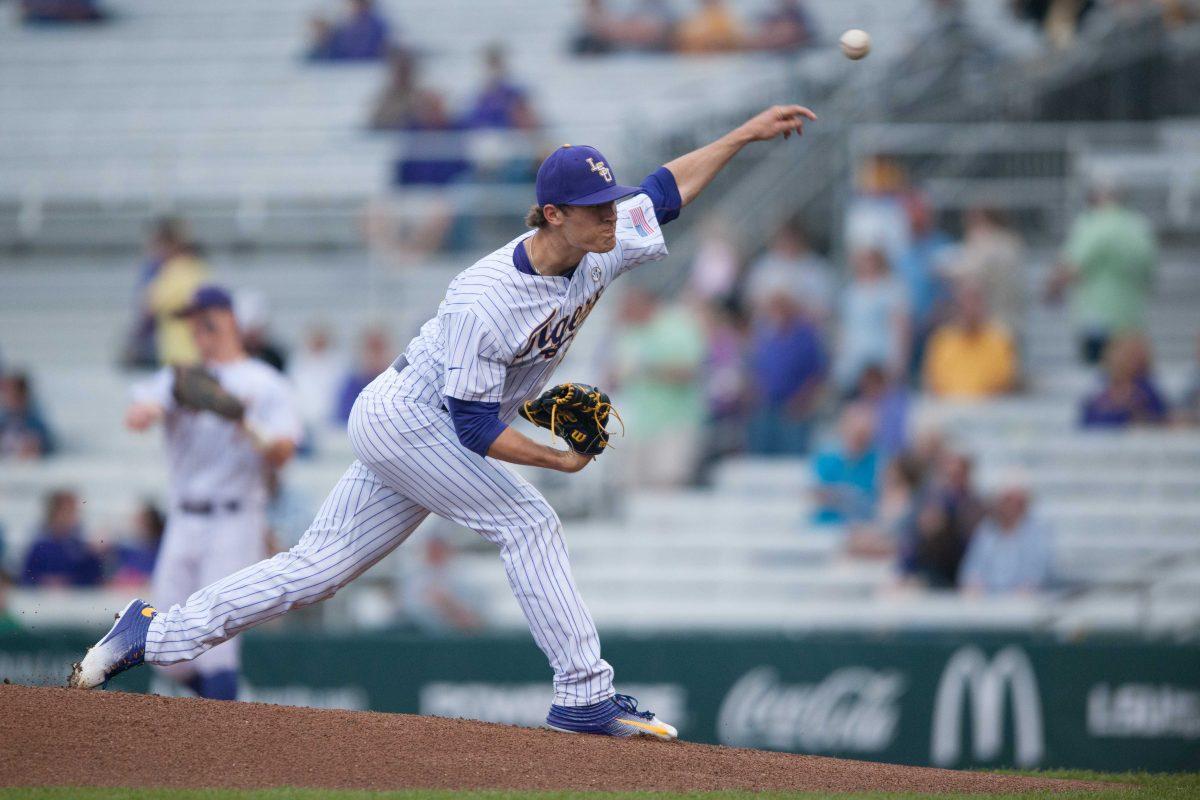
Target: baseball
<point>855,44</point>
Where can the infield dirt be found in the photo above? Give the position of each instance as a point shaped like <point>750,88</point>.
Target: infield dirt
<point>61,737</point>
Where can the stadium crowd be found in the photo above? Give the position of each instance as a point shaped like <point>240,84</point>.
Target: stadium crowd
<point>787,355</point>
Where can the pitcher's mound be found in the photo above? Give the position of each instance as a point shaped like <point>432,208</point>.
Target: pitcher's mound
<point>75,738</point>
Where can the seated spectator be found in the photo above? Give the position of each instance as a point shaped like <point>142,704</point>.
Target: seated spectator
<point>361,35</point>
<point>170,291</point>
<point>1011,552</point>
<point>657,355</point>
<point>936,537</point>
<point>786,27</point>
<point>436,599</point>
<point>713,28</point>
<point>888,399</point>
<point>648,27</point>
<point>131,561</point>
<point>971,357</point>
<point>501,102</point>
<point>430,159</point>
<point>1129,395</point>
<point>37,12</point>
<point>374,357</point>
<point>791,266</point>
<point>59,556</point>
<point>882,536</point>
<point>787,369</point>
<point>166,238</point>
<point>24,433</point>
<point>394,105</point>
<point>874,324</point>
<point>847,474</point>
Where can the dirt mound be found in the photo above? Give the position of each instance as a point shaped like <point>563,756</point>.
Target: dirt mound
<point>64,737</point>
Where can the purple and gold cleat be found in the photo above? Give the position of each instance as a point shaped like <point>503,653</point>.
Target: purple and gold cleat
<point>617,716</point>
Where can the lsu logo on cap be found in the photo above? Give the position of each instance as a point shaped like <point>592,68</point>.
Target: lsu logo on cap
<point>602,168</point>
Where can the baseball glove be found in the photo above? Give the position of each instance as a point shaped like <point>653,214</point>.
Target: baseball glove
<point>195,388</point>
<point>576,412</point>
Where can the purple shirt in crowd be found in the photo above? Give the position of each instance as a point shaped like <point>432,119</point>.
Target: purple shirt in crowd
<point>785,360</point>
<point>1102,410</point>
<point>363,37</point>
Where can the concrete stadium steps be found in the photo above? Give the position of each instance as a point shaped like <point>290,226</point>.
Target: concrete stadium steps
<point>641,609</point>
<point>214,109</point>
<point>695,510</point>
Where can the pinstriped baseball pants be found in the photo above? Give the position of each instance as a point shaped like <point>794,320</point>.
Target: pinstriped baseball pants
<point>410,464</point>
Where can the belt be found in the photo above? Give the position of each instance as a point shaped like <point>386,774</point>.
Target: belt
<point>401,364</point>
<point>206,508</point>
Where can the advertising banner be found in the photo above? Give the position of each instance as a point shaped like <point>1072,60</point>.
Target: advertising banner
<point>944,700</point>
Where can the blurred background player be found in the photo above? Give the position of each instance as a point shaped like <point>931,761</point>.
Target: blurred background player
<point>217,521</point>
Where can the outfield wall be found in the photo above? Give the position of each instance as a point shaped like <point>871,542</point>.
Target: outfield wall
<point>946,700</point>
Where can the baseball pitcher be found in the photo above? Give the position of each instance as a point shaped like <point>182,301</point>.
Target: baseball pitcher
<point>431,435</point>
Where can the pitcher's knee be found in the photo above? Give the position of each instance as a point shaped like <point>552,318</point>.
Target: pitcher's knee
<point>538,524</point>
<point>305,576</point>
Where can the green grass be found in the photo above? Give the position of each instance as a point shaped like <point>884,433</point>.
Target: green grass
<point>1158,787</point>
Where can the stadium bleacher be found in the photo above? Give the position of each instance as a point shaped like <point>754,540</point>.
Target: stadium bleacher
<point>1123,506</point>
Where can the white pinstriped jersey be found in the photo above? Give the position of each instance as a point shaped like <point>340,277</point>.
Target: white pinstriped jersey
<point>500,333</point>
<point>210,458</point>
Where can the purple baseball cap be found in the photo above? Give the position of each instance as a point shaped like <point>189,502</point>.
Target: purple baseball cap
<point>206,297</point>
<point>578,176</point>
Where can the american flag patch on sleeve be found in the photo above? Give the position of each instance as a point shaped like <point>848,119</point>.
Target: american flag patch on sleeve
<point>640,223</point>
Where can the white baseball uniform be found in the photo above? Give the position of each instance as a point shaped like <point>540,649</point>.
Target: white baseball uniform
<point>217,496</point>
<point>497,337</point>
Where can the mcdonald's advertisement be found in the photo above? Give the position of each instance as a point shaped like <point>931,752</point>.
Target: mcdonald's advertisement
<point>945,700</point>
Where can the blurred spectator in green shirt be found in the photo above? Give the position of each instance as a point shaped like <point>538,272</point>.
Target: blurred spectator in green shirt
<point>1108,261</point>
<point>657,358</point>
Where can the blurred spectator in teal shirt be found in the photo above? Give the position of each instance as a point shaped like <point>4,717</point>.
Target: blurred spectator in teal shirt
<point>848,473</point>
